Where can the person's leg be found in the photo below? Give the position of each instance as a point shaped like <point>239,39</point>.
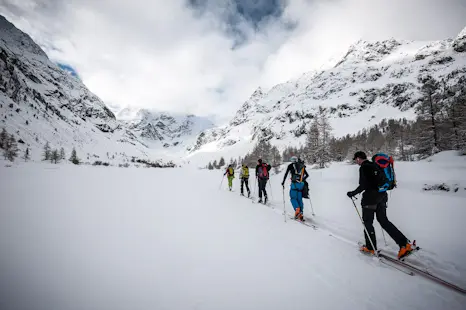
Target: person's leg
<point>391,229</point>
<point>368,219</point>
<point>265,192</point>
<point>259,184</point>
<point>294,202</point>
<point>242,185</point>
<point>246,181</point>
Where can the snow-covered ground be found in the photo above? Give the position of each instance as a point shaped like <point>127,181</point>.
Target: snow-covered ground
<point>114,238</point>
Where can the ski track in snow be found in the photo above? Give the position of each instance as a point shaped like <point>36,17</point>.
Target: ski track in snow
<point>113,238</point>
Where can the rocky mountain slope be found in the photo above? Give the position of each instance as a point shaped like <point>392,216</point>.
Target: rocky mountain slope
<point>373,81</point>
<point>41,102</point>
<point>160,129</point>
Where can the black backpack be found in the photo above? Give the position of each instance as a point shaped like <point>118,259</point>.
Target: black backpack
<point>297,171</point>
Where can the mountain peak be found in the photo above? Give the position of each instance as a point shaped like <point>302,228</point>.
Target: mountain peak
<point>17,41</point>
<point>364,51</point>
<point>459,44</point>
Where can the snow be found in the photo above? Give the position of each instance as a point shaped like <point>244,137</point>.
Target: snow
<point>372,82</point>
<point>82,237</point>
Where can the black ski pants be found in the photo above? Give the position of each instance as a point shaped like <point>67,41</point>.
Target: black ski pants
<point>244,181</point>
<point>262,184</point>
<point>380,210</point>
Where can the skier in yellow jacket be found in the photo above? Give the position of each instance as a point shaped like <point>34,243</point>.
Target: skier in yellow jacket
<point>230,173</point>
<point>244,177</point>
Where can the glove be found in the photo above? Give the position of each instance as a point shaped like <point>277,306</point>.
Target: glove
<point>350,194</point>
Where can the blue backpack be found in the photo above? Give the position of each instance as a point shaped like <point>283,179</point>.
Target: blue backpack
<point>387,178</point>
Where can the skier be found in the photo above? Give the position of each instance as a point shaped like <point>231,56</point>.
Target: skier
<point>262,175</point>
<point>375,202</point>
<point>244,177</point>
<point>230,172</point>
<point>299,175</point>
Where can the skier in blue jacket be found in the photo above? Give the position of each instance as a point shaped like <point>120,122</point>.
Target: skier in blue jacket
<point>298,176</point>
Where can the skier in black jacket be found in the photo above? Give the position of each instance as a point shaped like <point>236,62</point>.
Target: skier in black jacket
<point>375,202</point>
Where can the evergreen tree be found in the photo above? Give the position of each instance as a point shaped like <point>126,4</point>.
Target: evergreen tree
<point>10,150</point>
<point>47,151</point>
<point>210,167</point>
<point>74,157</point>
<point>3,138</point>
<point>62,154</point>
<point>221,162</point>
<point>215,164</point>
<point>55,157</point>
<point>26,155</point>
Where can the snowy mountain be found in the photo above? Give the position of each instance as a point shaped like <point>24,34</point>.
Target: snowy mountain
<point>164,129</point>
<point>40,102</point>
<point>372,81</point>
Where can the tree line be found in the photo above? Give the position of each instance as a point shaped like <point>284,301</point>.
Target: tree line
<point>439,125</point>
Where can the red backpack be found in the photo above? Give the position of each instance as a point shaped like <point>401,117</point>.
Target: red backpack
<point>263,172</point>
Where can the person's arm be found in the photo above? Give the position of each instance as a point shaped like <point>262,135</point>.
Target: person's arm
<point>305,175</point>
<point>362,181</point>
<point>286,174</point>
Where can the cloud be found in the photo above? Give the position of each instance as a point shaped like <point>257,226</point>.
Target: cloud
<point>207,56</point>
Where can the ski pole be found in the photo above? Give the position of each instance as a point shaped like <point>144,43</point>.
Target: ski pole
<point>383,234</point>
<point>365,229</point>
<point>284,210</point>
<point>221,182</point>
<point>271,194</point>
<point>310,200</point>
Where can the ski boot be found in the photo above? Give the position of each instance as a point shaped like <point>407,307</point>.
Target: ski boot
<point>265,200</point>
<point>301,217</point>
<point>406,250</point>
<point>297,213</point>
<point>249,194</point>
<point>365,250</point>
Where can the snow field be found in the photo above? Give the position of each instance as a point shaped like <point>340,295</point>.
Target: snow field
<point>110,238</point>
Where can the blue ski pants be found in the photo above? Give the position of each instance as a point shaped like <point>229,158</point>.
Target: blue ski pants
<point>296,195</point>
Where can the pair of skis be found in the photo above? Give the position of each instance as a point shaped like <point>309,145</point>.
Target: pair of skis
<point>407,268</point>
<point>305,223</point>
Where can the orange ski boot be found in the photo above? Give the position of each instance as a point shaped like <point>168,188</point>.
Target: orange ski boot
<point>405,250</point>
<point>297,212</point>
<point>365,250</point>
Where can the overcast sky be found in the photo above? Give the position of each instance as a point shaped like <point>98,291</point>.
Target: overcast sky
<point>208,56</point>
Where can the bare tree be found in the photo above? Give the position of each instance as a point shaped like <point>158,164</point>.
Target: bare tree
<point>312,142</point>
<point>323,154</point>
<point>428,111</point>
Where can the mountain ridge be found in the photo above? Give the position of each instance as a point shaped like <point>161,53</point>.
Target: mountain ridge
<point>372,81</point>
